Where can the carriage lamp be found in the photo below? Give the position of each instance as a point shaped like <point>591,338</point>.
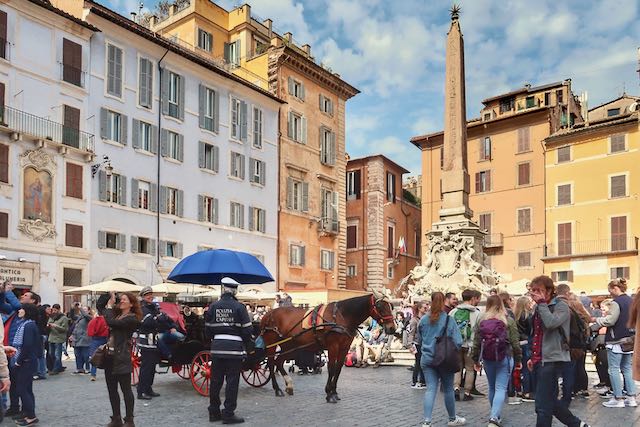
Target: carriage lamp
<point>106,163</point>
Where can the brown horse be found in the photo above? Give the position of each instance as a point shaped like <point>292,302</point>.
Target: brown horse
<point>283,327</point>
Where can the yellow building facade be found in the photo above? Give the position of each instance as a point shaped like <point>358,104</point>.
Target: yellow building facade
<point>592,206</point>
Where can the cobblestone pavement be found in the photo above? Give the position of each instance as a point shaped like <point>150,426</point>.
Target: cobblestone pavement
<point>370,397</point>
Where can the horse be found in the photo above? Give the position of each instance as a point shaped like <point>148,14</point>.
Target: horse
<point>335,330</point>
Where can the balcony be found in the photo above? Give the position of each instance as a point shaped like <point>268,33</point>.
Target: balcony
<point>328,225</point>
<point>592,248</point>
<point>39,128</point>
<point>493,240</point>
<point>73,75</point>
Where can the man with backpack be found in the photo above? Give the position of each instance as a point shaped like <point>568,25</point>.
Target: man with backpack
<point>466,316</point>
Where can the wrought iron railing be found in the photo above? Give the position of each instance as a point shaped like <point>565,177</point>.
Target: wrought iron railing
<point>493,240</point>
<point>73,75</point>
<point>41,128</point>
<point>586,247</point>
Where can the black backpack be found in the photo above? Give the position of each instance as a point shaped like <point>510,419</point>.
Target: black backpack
<point>578,336</point>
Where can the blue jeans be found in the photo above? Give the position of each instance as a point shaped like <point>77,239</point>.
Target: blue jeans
<point>547,403</point>
<point>433,376</point>
<point>165,339</point>
<point>95,343</point>
<point>42,362</point>
<point>568,380</point>
<point>498,373</point>
<point>526,376</point>
<point>621,363</point>
<point>24,387</point>
<point>82,358</point>
<point>55,348</point>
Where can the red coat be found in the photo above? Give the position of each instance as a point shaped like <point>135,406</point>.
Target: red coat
<point>98,327</point>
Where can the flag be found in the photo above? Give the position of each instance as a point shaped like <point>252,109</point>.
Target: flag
<point>402,245</point>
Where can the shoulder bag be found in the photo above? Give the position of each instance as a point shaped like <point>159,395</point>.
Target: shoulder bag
<point>102,358</point>
<point>446,357</point>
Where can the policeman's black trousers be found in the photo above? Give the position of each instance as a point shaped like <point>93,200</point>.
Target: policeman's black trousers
<point>149,358</point>
<point>224,370</point>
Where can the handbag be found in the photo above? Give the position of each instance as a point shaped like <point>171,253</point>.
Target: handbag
<point>627,345</point>
<point>447,356</point>
<point>102,358</point>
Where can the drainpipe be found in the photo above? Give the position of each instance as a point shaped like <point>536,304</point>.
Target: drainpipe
<point>406,227</point>
<point>158,156</point>
<point>544,185</point>
<point>279,148</point>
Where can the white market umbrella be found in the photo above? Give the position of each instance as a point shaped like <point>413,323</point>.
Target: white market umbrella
<point>178,288</point>
<point>106,286</point>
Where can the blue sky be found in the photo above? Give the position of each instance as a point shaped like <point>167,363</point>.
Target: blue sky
<point>394,53</point>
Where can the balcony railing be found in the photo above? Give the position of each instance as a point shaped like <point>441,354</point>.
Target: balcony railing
<point>493,240</point>
<point>73,75</point>
<point>593,247</point>
<point>329,225</point>
<point>45,129</point>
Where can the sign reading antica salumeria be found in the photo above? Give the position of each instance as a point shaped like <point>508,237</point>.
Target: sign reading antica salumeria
<point>16,275</point>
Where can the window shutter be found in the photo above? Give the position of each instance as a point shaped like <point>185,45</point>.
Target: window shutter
<point>481,148</point>
<point>356,182</point>
<point>103,123</point>
<point>164,142</point>
<point>332,145</point>
<point>3,34</point>
<point>179,250</point>
<point>304,130</point>
<point>135,133</point>
<point>334,212</point>
<point>302,91</point>
<point>201,216</point>
<point>478,183</point>
<point>331,107</point>
<point>570,276</point>
<point>488,180</point>
<point>134,193</point>
<point>164,91</point>
<point>290,84</point>
<point>554,276</point>
<point>134,244</point>
<point>302,255</point>
<point>201,159</point>
<point>202,99</point>
<point>142,82</point>
<point>227,52</point>
<point>153,197</point>
<point>102,239</point>
<point>251,222</point>
<point>154,139</point>
<point>152,247</point>
<point>163,248</point>
<point>263,173</point>
<point>216,115</point>
<point>180,203</point>
<point>215,211</point>
<point>243,121</point>
<point>102,186</point>
<point>4,159</point>
<point>123,190</point>
<point>305,197</point>
<point>121,243</point>
<point>163,199</point>
<point>289,193</point>
<point>523,174</point>
<point>124,125</point>
<point>262,214</point>
<point>242,165</point>
<point>290,125</point>
<point>216,158</point>
<point>118,71</point>
<point>180,147</point>
<point>252,169</point>
<point>320,102</point>
<point>618,186</point>
<point>181,98</point>
<point>241,207</point>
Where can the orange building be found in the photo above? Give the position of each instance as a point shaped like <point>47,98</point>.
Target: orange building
<point>506,166</point>
<point>312,164</point>
<point>383,229</point>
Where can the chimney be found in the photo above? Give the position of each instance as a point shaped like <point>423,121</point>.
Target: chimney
<point>288,37</point>
<point>153,20</point>
<point>172,9</point>
<point>247,12</point>
<point>133,16</point>
<point>527,86</point>
<point>307,49</point>
<point>269,24</point>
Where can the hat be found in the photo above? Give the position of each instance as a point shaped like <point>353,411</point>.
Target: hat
<point>146,291</point>
<point>228,282</point>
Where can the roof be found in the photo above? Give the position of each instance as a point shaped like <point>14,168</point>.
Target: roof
<point>523,89</point>
<point>384,158</point>
<point>623,96</point>
<point>594,126</point>
<point>45,4</point>
<point>156,38</point>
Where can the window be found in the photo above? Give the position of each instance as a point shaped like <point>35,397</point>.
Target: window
<point>441,158</point>
<point>486,117</point>
<point>232,53</point>
<point>391,187</point>
<point>297,195</point>
<point>172,201</point>
<point>208,209</point>
<point>547,99</point>
<point>296,255</point>
<point>4,163</point>
<point>352,236</point>
<point>74,180</point>
<point>143,246</point>
<point>174,146</point>
<point>327,147</point>
<point>4,224</point>
<point>326,105</point>
<point>619,233</point>
<point>257,171</point>
<point>257,219</point>
<point>114,125</point>
<point>208,105</point>
<point>619,272</point>
<point>238,120</point>
<point>390,241</point>
<point>390,270</point>
<point>111,240</point>
<point>257,127</point>
<point>613,112</point>
<point>237,165</point>
<point>236,215</point>
<point>618,186</point>
<point>524,173</point>
<point>564,194</point>
<point>484,222</point>
<point>145,139</point>
<point>617,143</point>
<point>115,189</point>
<point>485,148</point>
<point>296,88</point>
<point>73,235</point>
<point>530,101</point>
<point>351,271</point>
<point>143,194</point>
<point>559,96</point>
<point>208,156</point>
<point>507,104</point>
<point>114,70</point>
<point>562,276</point>
<point>171,249</point>
<point>524,220</point>
<point>145,83</point>
<point>483,181</point>
<point>329,211</point>
<point>71,130</point>
<point>297,129</point>
<point>564,239</point>
<point>205,40</point>
<point>524,143</point>
<point>3,35</point>
<point>353,184</point>
<point>71,62</point>
<point>175,95</point>
<point>327,259</point>
<point>71,276</point>
<point>564,154</point>
<point>524,259</point>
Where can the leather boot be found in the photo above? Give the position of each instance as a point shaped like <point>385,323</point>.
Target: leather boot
<point>128,422</point>
<point>115,422</point>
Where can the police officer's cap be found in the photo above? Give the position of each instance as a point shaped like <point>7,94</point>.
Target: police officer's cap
<point>228,282</point>
<point>146,291</point>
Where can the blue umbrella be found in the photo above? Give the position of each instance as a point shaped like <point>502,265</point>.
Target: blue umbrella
<point>209,267</point>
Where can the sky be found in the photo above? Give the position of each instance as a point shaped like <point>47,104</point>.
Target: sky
<point>393,52</point>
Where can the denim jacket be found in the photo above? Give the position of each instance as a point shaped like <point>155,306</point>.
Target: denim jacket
<point>430,331</point>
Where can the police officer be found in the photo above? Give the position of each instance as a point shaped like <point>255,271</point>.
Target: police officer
<point>147,344</point>
<point>229,327</point>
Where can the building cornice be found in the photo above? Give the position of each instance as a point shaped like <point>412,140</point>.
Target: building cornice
<point>566,135</point>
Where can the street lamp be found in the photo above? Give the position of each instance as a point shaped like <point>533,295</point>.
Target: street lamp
<point>106,162</point>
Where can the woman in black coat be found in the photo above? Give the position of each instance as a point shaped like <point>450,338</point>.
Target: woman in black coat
<point>123,319</point>
<point>28,344</point>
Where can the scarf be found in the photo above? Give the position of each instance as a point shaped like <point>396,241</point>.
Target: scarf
<point>18,339</point>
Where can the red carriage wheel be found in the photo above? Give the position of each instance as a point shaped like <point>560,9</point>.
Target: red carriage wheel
<point>135,363</point>
<point>201,372</point>
<point>258,375</point>
<point>185,372</point>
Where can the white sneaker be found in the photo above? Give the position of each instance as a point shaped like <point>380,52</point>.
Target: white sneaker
<point>459,421</point>
<point>426,424</point>
<point>421,386</point>
<point>514,401</point>
<point>631,401</point>
<point>614,403</point>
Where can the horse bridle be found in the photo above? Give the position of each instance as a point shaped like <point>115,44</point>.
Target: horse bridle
<point>376,314</point>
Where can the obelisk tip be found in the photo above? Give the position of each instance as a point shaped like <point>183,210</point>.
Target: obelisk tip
<point>455,12</point>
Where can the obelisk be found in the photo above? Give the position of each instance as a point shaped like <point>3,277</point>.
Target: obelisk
<point>455,177</point>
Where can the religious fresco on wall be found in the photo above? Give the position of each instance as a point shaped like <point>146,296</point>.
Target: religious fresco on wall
<point>37,195</point>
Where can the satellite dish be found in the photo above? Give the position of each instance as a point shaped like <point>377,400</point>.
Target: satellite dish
<point>634,107</point>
